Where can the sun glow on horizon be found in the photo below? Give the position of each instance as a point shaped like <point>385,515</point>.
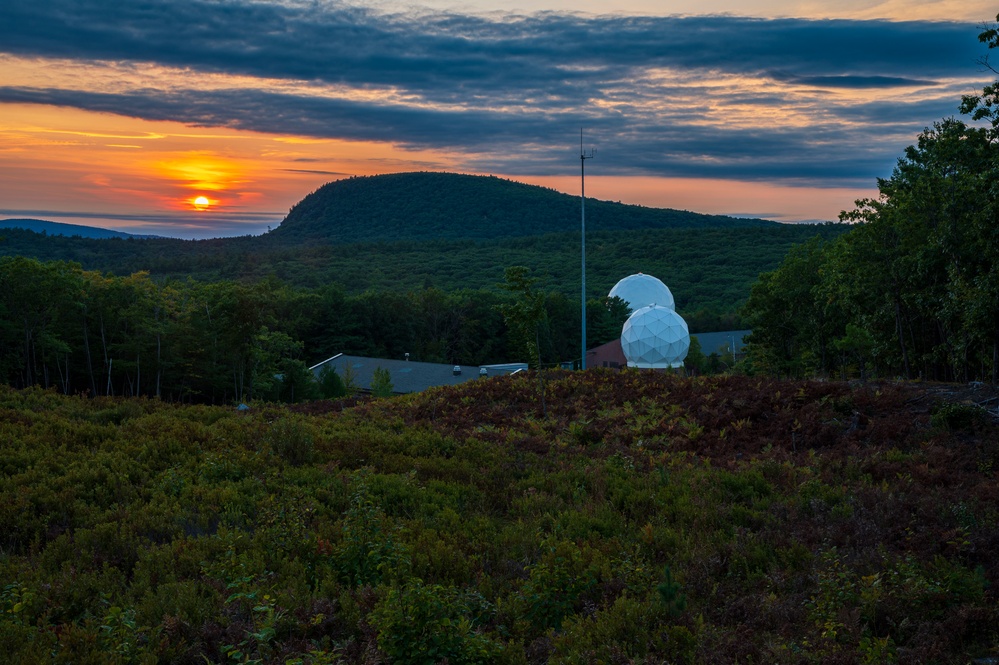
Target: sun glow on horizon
<point>247,176</point>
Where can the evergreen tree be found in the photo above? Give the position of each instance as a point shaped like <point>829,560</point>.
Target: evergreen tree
<point>381,383</point>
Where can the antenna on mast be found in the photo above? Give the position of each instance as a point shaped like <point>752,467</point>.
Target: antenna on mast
<point>583,156</point>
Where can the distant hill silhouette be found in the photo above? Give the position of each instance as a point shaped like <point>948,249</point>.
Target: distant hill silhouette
<point>452,232</point>
<point>429,205</point>
<point>68,230</point>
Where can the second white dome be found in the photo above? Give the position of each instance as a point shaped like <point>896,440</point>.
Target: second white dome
<point>641,291</point>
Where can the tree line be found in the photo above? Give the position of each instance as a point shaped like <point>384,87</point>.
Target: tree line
<point>709,270</point>
<point>913,289</point>
<point>83,331</point>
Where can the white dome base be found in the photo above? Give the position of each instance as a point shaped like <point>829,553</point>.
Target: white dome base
<point>676,365</point>
<point>655,337</point>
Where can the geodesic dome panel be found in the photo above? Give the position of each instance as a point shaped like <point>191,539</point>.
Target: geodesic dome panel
<point>642,290</point>
<point>655,337</point>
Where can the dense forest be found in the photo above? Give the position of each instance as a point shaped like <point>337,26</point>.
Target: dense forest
<point>707,268</point>
<point>429,206</point>
<point>913,290</point>
<point>220,339</point>
<point>83,331</point>
<point>217,320</point>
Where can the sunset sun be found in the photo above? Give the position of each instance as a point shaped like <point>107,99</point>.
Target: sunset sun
<point>202,203</point>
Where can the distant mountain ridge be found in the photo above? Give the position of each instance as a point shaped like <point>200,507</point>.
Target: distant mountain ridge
<point>453,232</point>
<point>68,230</point>
<point>435,205</point>
<point>425,206</point>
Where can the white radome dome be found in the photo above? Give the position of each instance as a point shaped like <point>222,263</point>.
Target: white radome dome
<point>655,337</point>
<point>642,290</point>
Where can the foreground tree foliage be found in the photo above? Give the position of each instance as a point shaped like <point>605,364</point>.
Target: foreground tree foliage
<point>918,275</point>
<point>913,290</point>
<point>645,518</point>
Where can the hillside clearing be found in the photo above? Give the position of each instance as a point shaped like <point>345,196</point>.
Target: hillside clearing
<point>631,517</point>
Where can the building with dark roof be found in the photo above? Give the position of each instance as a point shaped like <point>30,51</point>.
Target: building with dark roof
<point>409,376</point>
<point>612,355</point>
<point>729,343</point>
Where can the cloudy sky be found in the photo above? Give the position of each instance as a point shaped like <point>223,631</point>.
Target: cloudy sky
<point>201,118</point>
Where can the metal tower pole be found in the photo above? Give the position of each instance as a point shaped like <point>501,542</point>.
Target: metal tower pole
<point>582,202</point>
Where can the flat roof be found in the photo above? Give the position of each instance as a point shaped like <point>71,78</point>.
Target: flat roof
<point>407,376</point>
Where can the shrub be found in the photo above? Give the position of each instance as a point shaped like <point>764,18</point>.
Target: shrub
<point>381,383</point>
<point>629,631</point>
<point>291,440</point>
<point>556,583</point>
<point>958,417</point>
<point>369,550</point>
<point>420,624</point>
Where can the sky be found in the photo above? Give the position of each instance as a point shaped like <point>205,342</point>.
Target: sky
<point>208,118</point>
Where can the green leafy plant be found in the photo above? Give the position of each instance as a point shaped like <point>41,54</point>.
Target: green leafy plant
<point>420,624</point>
<point>670,593</point>
<point>369,550</point>
<point>119,634</point>
<point>17,604</point>
<point>555,583</point>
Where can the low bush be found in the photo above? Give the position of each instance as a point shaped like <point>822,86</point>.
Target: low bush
<point>466,524</point>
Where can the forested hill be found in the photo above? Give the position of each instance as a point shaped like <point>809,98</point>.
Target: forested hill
<point>709,261</point>
<point>68,230</point>
<point>428,206</point>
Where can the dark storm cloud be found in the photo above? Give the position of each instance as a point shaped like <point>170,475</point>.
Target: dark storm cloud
<point>488,86</point>
<point>890,113</point>
<point>315,172</point>
<point>321,117</point>
<point>448,55</point>
<point>636,145</point>
<point>848,81</point>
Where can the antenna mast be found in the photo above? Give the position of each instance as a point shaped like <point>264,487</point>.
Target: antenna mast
<point>583,156</point>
